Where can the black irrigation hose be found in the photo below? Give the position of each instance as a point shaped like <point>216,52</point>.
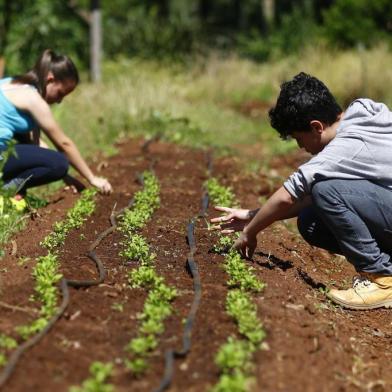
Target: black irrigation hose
<point>64,284</point>
<point>15,356</point>
<point>192,267</point>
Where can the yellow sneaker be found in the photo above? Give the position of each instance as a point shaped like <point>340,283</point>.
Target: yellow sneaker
<point>19,205</point>
<point>368,292</point>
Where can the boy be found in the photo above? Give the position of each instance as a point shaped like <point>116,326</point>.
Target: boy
<point>342,196</point>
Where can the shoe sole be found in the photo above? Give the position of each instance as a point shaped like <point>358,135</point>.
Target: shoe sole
<point>383,304</point>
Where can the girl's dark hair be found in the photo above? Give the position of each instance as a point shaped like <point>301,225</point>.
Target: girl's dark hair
<point>62,68</point>
<point>301,100</point>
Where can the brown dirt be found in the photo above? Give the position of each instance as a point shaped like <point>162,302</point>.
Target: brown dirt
<point>311,345</point>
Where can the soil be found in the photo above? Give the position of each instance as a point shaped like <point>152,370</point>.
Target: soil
<point>311,345</point>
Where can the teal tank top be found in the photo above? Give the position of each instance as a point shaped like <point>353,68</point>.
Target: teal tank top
<point>12,120</point>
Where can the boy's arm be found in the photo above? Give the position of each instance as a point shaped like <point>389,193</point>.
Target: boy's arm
<point>281,205</point>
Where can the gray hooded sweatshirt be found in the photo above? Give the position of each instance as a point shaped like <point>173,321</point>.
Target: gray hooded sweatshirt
<point>361,149</point>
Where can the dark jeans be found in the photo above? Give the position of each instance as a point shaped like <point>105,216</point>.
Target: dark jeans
<point>33,166</point>
<point>353,218</point>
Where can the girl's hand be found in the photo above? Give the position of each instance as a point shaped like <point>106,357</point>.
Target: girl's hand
<point>102,184</point>
<point>235,219</point>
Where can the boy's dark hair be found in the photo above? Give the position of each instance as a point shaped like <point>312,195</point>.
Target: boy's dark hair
<point>301,100</point>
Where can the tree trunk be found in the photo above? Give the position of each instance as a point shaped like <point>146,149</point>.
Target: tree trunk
<point>268,7</point>
<point>95,41</point>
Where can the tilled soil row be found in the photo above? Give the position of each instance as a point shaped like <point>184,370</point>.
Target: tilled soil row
<point>311,345</point>
<point>93,328</point>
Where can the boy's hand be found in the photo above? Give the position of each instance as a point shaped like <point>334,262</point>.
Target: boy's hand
<point>246,245</point>
<point>235,219</point>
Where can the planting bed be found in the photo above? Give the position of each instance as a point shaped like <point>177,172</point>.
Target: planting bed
<point>309,344</point>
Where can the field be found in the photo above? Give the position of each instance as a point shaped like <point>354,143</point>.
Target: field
<point>132,291</point>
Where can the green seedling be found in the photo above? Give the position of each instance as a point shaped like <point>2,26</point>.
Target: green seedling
<point>100,372</point>
<point>119,307</point>
<point>137,366</point>
<point>23,260</point>
<point>45,272</point>
<point>235,357</point>
<point>240,306</point>
<point>236,382</point>
<point>219,194</point>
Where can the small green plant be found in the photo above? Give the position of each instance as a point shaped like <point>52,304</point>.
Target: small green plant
<point>45,272</point>
<point>135,247</point>
<point>219,194</point>
<point>23,260</point>
<point>241,275</point>
<point>83,208</point>
<point>240,306</point>
<point>235,357</point>
<point>6,343</point>
<point>119,307</point>
<point>100,372</point>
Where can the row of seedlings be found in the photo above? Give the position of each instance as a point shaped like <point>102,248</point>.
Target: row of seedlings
<point>157,306</point>
<point>234,358</point>
<point>46,272</point>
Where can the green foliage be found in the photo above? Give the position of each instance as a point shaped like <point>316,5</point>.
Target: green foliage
<point>46,277</point>
<point>100,372</point>
<point>10,217</point>
<point>223,245</point>
<point>234,358</point>
<point>7,342</point>
<point>83,208</point>
<point>240,306</point>
<point>234,355</point>
<point>142,345</point>
<point>296,30</point>
<point>150,29</point>
<point>180,130</point>
<point>145,202</point>
<point>137,366</point>
<point>235,382</point>
<point>136,248</point>
<point>157,305</point>
<point>351,22</point>
<point>35,25</point>
<point>45,272</point>
<point>241,275</point>
<point>220,195</point>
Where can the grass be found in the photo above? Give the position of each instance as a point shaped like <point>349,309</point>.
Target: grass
<point>195,104</point>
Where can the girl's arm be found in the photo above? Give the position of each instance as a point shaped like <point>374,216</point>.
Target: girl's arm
<point>42,114</point>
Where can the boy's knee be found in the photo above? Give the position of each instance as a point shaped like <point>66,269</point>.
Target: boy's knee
<point>325,192</point>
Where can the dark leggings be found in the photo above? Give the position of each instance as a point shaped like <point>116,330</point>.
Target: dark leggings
<point>33,166</point>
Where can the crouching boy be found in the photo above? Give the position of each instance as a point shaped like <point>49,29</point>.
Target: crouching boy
<point>342,196</point>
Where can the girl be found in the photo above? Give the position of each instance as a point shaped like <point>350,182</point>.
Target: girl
<point>24,111</point>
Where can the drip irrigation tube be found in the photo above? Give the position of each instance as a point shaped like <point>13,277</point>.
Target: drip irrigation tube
<point>192,267</point>
<point>64,284</point>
